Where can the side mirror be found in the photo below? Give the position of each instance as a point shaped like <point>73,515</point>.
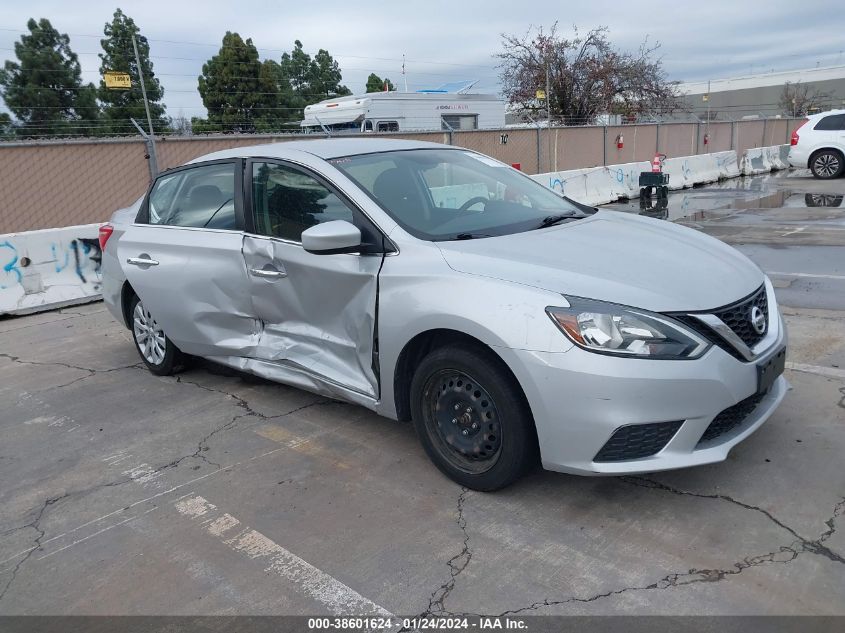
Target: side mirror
<point>331,238</point>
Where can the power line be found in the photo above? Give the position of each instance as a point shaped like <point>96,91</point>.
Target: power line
<point>277,50</point>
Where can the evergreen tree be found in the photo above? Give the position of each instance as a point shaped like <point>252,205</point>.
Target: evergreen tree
<point>118,55</point>
<point>6,126</point>
<point>325,77</point>
<point>376,83</point>
<point>312,80</point>
<point>44,89</point>
<point>278,103</point>
<point>231,86</point>
<point>296,68</point>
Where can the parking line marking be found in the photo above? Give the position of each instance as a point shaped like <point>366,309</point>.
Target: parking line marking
<point>828,372</point>
<point>141,501</point>
<point>90,536</point>
<point>337,597</point>
<point>819,276</point>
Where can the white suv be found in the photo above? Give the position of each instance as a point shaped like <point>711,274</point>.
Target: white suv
<point>819,144</point>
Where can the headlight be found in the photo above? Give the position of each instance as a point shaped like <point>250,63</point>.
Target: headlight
<point>612,329</point>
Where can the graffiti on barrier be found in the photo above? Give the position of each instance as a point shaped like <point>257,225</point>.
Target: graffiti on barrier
<point>11,273</point>
<point>81,256</point>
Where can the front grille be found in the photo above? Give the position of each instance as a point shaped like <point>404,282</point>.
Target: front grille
<point>637,440</point>
<point>736,316</point>
<point>731,417</point>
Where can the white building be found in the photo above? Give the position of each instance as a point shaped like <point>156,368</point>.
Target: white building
<point>760,95</point>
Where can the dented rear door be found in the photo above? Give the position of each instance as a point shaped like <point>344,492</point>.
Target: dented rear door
<point>317,313</point>
<point>183,259</point>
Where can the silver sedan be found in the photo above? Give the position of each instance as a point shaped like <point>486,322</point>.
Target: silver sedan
<point>434,284</point>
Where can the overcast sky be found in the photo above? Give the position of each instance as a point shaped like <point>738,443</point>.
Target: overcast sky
<point>445,40</point>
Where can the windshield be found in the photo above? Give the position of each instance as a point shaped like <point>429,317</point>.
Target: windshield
<point>454,194</point>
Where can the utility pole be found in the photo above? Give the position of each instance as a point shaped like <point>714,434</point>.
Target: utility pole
<point>404,76</point>
<point>153,156</point>
<point>548,107</point>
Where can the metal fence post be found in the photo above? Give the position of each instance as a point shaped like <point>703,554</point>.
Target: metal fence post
<point>152,158</point>
<point>657,139</point>
<point>765,121</point>
<point>604,147</point>
<point>151,139</point>
<point>451,129</point>
<point>539,152</point>
<point>733,126</point>
<point>697,136</point>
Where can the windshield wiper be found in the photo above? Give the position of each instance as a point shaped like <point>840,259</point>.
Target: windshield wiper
<point>551,220</point>
<point>470,236</point>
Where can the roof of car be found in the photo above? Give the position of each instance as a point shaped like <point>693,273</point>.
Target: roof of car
<point>324,148</point>
<point>825,113</point>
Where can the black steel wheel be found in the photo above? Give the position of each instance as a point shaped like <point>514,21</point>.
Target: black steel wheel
<point>463,420</point>
<point>827,164</point>
<point>472,418</point>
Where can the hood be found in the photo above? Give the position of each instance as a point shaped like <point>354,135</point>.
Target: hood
<point>617,257</point>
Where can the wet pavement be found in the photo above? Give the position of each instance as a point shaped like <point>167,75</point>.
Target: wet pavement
<point>789,223</point>
<point>213,492</point>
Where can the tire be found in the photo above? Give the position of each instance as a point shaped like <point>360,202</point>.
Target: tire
<point>157,351</point>
<point>827,164</point>
<point>456,387</point>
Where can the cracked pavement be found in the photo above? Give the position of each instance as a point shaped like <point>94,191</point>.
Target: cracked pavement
<point>96,454</point>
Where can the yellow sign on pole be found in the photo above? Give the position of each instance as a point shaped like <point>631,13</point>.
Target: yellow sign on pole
<point>117,81</point>
<point>540,94</point>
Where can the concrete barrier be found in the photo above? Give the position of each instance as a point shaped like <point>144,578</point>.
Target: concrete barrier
<point>688,171</point>
<point>601,185</point>
<point>51,268</point>
<point>596,185</point>
<point>760,160</point>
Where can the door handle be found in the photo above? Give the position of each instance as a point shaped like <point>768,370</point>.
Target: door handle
<point>267,274</point>
<point>141,261</point>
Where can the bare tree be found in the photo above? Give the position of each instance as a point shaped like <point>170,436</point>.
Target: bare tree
<point>799,99</point>
<point>587,77</point>
<point>180,125</point>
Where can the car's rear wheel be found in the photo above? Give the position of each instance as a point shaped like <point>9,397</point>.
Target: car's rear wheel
<point>157,351</point>
<point>472,418</point>
<point>827,164</point>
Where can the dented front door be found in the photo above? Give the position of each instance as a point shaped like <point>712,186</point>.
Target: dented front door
<point>316,313</point>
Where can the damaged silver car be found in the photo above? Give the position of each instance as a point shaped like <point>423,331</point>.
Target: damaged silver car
<point>434,284</point>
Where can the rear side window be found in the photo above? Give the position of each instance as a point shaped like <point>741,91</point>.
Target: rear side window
<point>201,197</point>
<point>832,122</point>
<point>287,201</point>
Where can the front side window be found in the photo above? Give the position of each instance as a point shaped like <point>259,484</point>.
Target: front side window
<point>286,201</point>
<point>454,194</point>
<point>200,197</point>
<point>832,122</point>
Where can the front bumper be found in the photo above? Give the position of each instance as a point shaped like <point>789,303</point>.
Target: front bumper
<point>579,398</point>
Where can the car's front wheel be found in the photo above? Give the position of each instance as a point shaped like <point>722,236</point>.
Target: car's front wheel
<point>827,164</point>
<point>157,351</point>
<point>472,418</point>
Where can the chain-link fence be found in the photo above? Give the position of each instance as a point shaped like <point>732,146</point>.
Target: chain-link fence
<point>48,184</point>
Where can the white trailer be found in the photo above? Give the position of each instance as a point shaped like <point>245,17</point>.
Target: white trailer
<point>403,111</point>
